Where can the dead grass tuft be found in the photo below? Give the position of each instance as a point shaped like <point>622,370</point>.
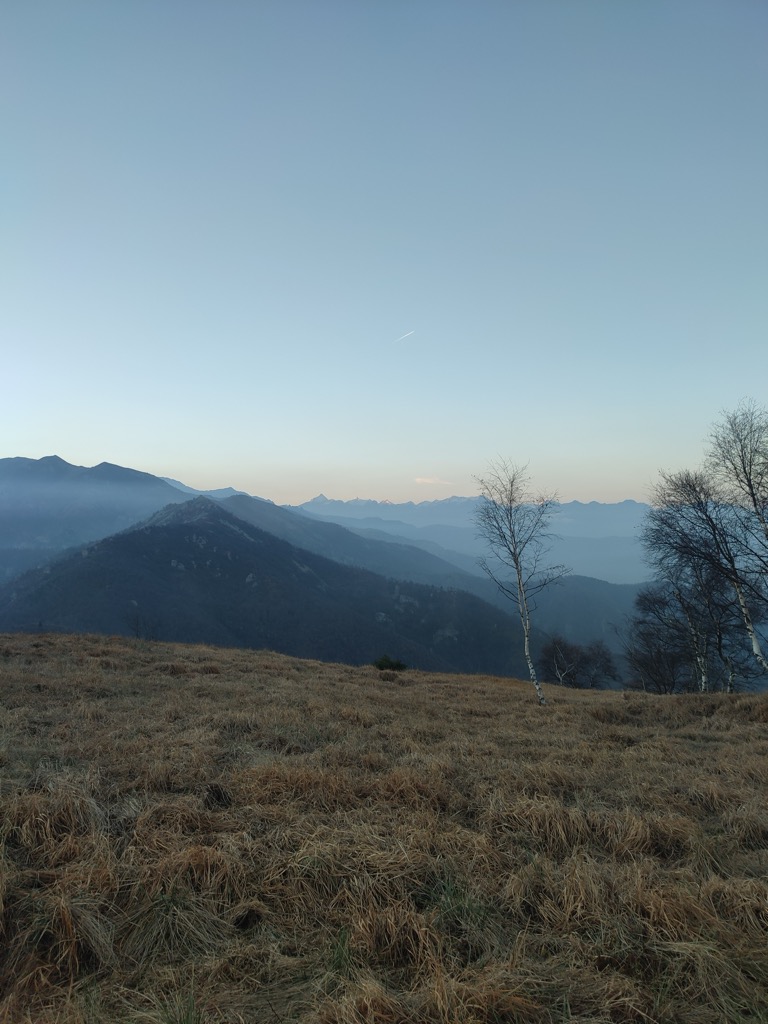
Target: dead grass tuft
<point>171,924</point>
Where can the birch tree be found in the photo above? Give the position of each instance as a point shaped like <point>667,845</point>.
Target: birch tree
<point>693,528</point>
<point>687,636</point>
<point>514,523</point>
<point>738,456</point>
<point>738,460</point>
<point>656,649</point>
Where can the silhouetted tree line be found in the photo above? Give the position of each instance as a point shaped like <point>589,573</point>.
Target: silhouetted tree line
<point>697,627</point>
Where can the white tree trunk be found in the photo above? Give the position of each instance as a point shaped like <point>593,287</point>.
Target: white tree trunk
<point>749,625</point>
<point>531,667</point>
<point>525,619</point>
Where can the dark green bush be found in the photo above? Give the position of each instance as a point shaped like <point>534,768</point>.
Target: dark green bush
<point>385,663</point>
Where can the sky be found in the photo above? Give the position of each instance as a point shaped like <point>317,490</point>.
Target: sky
<point>365,247</point>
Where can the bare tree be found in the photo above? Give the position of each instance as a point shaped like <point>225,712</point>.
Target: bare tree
<point>706,537</point>
<point>561,658</point>
<point>694,529</point>
<point>738,456</point>
<point>514,523</point>
<point>738,459</point>
<point>686,636</point>
<point>577,665</point>
<point>599,665</point>
<point>656,648</point>
<point>691,586</point>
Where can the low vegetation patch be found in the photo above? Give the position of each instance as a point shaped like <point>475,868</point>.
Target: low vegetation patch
<point>190,834</point>
<point>387,664</point>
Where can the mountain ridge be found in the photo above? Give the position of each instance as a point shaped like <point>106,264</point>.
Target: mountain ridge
<point>40,522</point>
<point>197,573</point>
<point>595,539</point>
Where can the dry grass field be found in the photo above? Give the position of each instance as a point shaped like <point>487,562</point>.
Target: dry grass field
<point>200,836</point>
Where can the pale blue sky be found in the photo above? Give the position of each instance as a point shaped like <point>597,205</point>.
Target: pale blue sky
<point>219,217</point>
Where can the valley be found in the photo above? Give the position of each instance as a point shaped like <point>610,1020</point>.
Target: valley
<point>100,557</point>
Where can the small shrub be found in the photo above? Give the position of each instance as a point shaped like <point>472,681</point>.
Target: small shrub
<point>387,664</point>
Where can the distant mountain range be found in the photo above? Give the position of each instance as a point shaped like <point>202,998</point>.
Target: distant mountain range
<point>119,575</point>
<point>47,505</point>
<point>194,572</point>
<point>593,539</point>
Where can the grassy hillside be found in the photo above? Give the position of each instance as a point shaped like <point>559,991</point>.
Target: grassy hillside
<point>200,836</point>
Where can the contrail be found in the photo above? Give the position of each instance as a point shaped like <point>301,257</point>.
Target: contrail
<point>405,336</point>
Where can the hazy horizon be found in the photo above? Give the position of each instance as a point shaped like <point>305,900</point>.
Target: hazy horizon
<point>259,493</point>
<point>364,249</point>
